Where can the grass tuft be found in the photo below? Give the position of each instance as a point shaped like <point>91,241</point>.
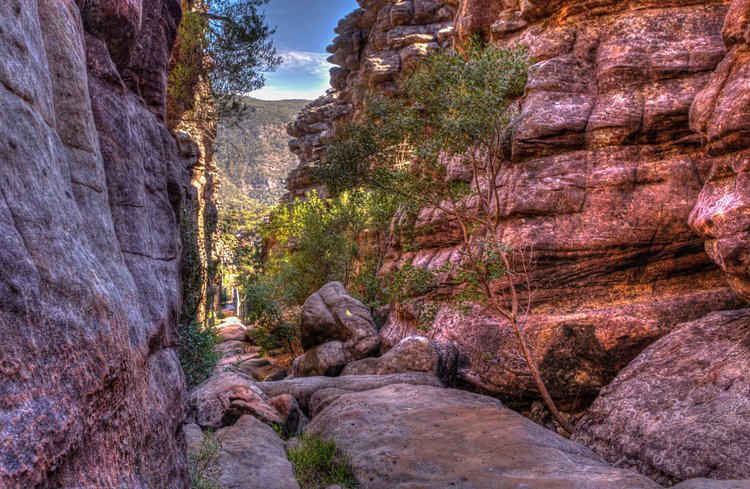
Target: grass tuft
<point>204,469</point>
<point>319,464</point>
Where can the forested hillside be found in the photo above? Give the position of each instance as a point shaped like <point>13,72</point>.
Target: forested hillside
<point>252,152</point>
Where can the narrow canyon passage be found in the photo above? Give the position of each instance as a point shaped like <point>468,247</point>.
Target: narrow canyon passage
<point>480,244</point>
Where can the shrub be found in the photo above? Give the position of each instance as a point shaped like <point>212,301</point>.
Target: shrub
<point>197,355</point>
<point>270,331</point>
<point>318,240</point>
<point>277,336</point>
<point>318,463</point>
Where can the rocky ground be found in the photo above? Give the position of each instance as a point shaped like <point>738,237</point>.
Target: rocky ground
<point>401,426</point>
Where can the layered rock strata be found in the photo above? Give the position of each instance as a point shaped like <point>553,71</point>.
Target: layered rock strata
<point>720,115</point>
<point>604,172</point>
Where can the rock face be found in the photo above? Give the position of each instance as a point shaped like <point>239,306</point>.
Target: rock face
<point>719,114</point>
<point>682,408</point>
<point>606,167</point>
<point>412,354</point>
<point>92,392</point>
<point>336,329</point>
<point>403,436</point>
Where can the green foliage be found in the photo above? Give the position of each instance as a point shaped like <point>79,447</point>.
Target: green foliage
<point>203,463</point>
<point>192,268</point>
<point>239,49</point>
<point>408,281</point>
<point>318,240</point>
<point>227,43</point>
<point>456,108</point>
<point>318,463</point>
<point>187,71</point>
<point>276,336</point>
<point>269,329</point>
<point>453,105</point>
<point>426,313</point>
<point>197,355</point>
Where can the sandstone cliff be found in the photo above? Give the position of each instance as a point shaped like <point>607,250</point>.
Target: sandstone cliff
<point>607,167</point>
<point>92,185</point>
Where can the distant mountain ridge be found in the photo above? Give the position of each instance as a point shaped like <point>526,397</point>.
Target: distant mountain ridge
<point>253,154</point>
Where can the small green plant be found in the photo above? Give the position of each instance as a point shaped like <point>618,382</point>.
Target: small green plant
<point>197,355</point>
<point>408,281</point>
<point>487,357</point>
<point>234,366</point>
<point>276,336</point>
<point>203,463</point>
<point>281,431</point>
<point>319,464</point>
<point>426,314</point>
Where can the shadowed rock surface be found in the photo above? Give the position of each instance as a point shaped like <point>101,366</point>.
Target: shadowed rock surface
<point>91,184</point>
<point>713,484</point>
<point>682,408</point>
<point>403,436</point>
<point>720,115</point>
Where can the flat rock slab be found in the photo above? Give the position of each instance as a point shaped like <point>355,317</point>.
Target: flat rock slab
<point>303,388</point>
<point>420,437</point>
<point>232,332</point>
<point>252,456</point>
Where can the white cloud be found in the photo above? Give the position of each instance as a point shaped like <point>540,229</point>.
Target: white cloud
<point>302,75</point>
<point>279,93</point>
<point>304,62</point>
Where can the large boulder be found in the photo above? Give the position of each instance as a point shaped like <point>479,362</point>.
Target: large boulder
<point>682,408</point>
<point>336,329</point>
<point>412,354</point>
<point>252,456</point>
<point>403,436</point>
<point>224,397</point>
<point>302,389</point>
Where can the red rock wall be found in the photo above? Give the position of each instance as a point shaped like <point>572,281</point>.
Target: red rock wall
<point>605,171</point>
<point>91,392</point>
<point>720,115</point>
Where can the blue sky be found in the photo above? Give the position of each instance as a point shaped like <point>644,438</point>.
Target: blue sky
<point>303,30</point>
